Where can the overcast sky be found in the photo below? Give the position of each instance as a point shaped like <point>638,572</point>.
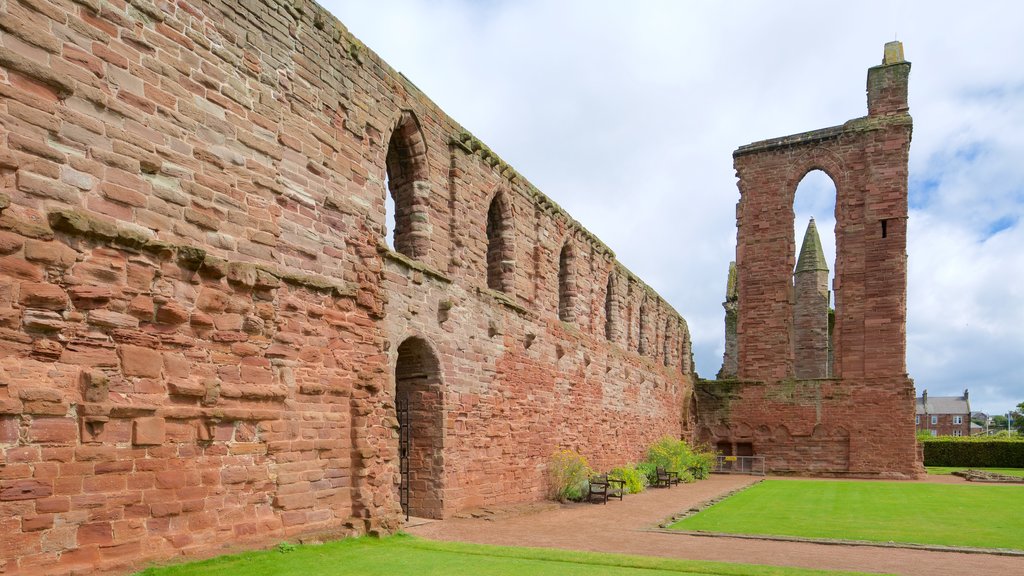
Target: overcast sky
<point>627,114</point>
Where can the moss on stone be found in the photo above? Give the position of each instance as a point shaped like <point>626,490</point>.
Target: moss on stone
<point>191,257</point>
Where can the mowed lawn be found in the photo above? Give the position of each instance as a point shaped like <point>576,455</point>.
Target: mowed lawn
<point>407,556</point>
<point>984,516</point>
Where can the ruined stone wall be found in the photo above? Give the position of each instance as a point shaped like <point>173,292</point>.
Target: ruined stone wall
<point>200,323</point>
<point>826,427</point>
<point>870,396</point>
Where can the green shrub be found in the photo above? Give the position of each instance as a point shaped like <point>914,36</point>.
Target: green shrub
<point>635,480</point>
<point>649,472</point>
<point>568,475</point>
<point>702,463</point>
<point>974,451</point>
<point>677,456</point>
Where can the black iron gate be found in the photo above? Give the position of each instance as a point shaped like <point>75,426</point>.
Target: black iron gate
<point>402,409</point>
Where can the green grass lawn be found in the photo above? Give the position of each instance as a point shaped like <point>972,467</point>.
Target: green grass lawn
<point>404,555</point>
<point>984,516</point>
<point>944,470</point>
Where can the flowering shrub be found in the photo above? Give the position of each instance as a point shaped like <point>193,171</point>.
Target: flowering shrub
<point>635,480</point>
<point>676,456</point>
<point>568,474</point>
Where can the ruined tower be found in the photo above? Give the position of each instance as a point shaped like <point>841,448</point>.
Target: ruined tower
<point>729,366</point>
<point>783,404</point>
<point>810,308</point>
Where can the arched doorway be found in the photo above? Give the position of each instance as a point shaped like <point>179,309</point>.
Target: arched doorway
<point>419,405</point>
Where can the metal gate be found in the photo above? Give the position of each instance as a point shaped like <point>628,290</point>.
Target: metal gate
<point>402,409</point>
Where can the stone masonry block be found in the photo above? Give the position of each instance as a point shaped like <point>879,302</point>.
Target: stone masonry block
<point>139,361</point>
<point>148,431</point>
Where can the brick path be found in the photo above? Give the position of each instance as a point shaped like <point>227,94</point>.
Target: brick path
<point>622,527</point>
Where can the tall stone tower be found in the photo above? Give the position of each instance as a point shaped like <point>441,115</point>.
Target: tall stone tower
<point>788,402</point>
<point>810,308</point>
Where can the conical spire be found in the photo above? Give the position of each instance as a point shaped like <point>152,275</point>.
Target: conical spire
<point>812,257</point>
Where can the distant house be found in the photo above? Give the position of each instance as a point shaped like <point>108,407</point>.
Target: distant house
<point>943,415</point>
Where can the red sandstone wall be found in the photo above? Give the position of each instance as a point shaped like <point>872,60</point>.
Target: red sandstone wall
<point>199,323</point>
<point>843,427</point>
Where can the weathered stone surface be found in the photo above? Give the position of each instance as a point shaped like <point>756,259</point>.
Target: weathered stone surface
<point>200,309</point>
<point>111,319</point>
<point>139,361</point>
<point>149,431</point>
<point>46,296</point>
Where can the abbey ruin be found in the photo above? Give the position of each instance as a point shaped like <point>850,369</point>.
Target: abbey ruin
<point>206,341</point>
<point>809,396</point>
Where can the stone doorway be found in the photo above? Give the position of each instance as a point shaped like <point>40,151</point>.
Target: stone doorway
<point>418,387</point>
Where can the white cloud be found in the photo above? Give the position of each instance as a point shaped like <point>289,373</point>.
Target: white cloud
<point>627,115</point>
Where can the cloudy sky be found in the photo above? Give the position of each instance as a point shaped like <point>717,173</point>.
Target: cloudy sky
<point>627,113</point>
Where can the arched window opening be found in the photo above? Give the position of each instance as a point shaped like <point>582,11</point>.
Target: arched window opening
<point>405,216</point>
<point>500,248</point>
<point>642,343</point>
<point>419,410</point>
<point>566,284</point>
<point>609,309</point>
<point>666,350</point>
<point>814,224</point>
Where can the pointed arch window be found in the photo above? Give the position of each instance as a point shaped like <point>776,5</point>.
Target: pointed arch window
<point>642,344</point>
<point>407,181</point>
<point>610,319</point>
<point>667,344</point>
<point>566,284</point>
<point>500,246</point>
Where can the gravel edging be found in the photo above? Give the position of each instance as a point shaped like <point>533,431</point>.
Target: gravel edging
<point>832,542</point>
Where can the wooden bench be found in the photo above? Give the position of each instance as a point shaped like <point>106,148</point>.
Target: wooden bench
<point>665,478</point>
<point>602,488</point>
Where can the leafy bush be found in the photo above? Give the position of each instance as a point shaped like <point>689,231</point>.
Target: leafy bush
<point>635,480</point>
<point>649,472</point>
<point>569,474</point>
<point>702,463</point>
<point>974,451</point>
<point>677,456</point>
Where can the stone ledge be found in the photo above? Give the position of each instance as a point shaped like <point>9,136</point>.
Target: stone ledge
<point>864,124</point>
<point>503,299</point>
<point>411,264</point>
<point>77,223</point>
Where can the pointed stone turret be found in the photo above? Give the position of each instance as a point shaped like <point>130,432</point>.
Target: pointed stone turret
<point>810,309</point>
<point>812,257</point>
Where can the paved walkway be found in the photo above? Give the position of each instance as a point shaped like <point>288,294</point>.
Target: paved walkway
<point>624,527</point>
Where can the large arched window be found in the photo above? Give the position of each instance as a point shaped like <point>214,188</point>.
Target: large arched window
<point>814,210</point>
<point>500,246</point>
<point>406,225</point>
<point>566,284</point>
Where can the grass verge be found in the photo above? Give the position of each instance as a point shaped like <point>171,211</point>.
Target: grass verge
<point>405,555</point>
<point>986,516</point>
